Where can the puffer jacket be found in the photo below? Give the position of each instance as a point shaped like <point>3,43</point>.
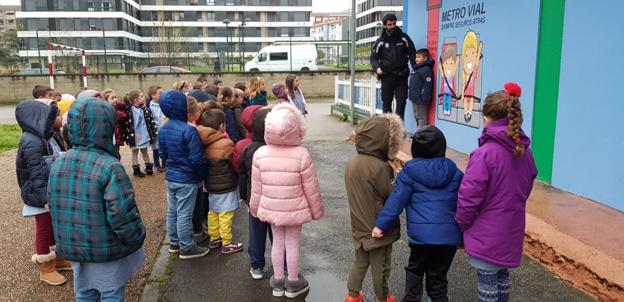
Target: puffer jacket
<point>246,161</point>
<point>421,83</point>
<point>92,202</point>
<point>36,120</point>
<point>218,150</point>
<point>178,142</point>
<point>391,53</point>
<point>368,178</point>
<point>427,189</point>
<point>284,187</point>
<point>129,126</point>
<point>247,122</point>
<point>121,110</point>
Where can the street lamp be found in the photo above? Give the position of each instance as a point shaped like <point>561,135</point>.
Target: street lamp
<point>242,44</point>
<point>227,42</point>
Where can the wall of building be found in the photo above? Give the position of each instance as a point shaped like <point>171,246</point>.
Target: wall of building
<point>589,142</point>
<point>16,88</point>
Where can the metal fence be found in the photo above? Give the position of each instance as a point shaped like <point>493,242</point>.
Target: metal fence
<point>367,98</point>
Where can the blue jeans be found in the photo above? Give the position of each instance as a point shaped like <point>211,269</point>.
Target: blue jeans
<point>257,241</point>
<point>181,199</point>
<point>447,103</point>
<point>92,295</point>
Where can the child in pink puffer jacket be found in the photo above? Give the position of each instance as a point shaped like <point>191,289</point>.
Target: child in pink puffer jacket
<point>285,193</point>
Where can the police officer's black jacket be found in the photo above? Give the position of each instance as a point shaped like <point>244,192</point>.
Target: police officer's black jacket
<point>392,52</point>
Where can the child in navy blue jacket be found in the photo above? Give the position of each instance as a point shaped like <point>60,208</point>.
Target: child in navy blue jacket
<point>421,86</point>
<point>427,189</point>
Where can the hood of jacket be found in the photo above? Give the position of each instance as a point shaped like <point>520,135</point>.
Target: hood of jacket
<point>36,118</point>
<point>88,94</point>
<point>435,173</point>
<point>91,123</point>
<point>173,105</point>
<point>259,122</point>
<point>497,131</point>
<point>209,136</point>
<point>380,136</point>
<point>429,63</point>
<point>200,95</point>
<point>284,126</point>
<point>248,116</point>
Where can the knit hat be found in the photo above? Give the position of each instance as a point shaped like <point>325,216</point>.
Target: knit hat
<point>200,95</point>
<point>279,90</point>
<point>428,142</point>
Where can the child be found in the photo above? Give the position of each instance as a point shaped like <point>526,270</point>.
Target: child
<point>243,87</point>
<point>257,94</point>
<point>213,92</point>
<point>247,121</point>
<point>186,167</point>
<point>368,181</point>
<point>121,111</point>
<point>493,194</point>
<point>280,93</point>
<point>184,86</point>
<point>33,166</point>
<point>42,92</point>
<point>218,83</point>
<point>257,229</point>
<point>285,193</point>
<point>222,181</point>
<point>93,203</point>
<point>159,119</point>
<point>421,86</point>
<point>140,131</point>
<point>295,95</point>
<point>426,188</point>
<point>238,111</point>
<point>232,127</point>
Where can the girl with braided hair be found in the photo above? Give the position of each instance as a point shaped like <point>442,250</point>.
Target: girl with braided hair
<point>493,193</point>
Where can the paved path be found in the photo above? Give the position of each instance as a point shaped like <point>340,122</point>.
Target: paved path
<point>326,249</point>
<point>7,115</point>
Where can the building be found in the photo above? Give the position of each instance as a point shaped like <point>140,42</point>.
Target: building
<point>328,26</point>
<point>369,14</point>
<point>163,28</point>
<point>8,20</point>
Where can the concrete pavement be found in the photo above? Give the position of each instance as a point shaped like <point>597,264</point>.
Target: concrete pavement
<point>326,249</point>
<point>7,115</point>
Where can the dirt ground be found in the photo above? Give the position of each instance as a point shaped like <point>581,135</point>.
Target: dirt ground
<point>20,280</point>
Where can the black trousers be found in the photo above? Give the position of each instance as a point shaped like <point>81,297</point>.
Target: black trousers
<point>394,86</point>
<point>429,262</point>
<point>200,212</point>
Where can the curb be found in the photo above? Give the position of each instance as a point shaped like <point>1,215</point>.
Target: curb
<point>151,291</point>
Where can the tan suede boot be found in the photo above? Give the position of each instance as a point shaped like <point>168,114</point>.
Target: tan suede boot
<point>47,270</point>
<point>60,263</point>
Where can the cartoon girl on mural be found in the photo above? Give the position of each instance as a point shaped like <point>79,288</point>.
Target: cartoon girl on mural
<point>471,59</point>
<point>448,70</point>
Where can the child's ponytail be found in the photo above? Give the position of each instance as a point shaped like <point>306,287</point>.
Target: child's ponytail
<point>506,103</point>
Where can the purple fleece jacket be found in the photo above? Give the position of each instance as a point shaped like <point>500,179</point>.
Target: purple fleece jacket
<point>493,195</point>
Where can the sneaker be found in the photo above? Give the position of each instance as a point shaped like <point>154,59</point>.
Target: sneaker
<point>194,252</point>
<point>390,298</point>
<point>277,285</point>
<point>360,298</point>
<point>296,288</point>
<point>215,243</point>
<point>256,273</point>
<point>159,169</point>
<point>174,248</point>
<point>232,248</point>
<point>201,237</point>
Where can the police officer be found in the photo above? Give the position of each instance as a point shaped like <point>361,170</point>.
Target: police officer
<point>390,55</point>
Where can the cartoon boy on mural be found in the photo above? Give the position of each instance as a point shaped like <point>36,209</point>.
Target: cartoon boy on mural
<point>448,70</point>
<point>471,59</point>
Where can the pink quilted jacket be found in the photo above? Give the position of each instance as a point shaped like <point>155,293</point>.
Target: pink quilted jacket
<point>284,187</point>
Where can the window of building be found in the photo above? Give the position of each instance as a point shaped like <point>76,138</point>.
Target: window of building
<point>92,25</point>
<point>210,2</point>
<point>106,7</point>
<point>210,16</point>
<point>90,6</point>
<point>278,56</point>
<point>181,16</point>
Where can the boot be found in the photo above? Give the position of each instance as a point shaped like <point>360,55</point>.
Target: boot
<point>360,298</point>
<point>60,263</point>
<point>149,168</point>
<point>47,271</point>
<point>137,171</point>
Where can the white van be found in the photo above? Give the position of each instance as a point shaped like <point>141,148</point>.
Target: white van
<point>278,58</point>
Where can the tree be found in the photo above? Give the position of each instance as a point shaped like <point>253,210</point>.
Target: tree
<point>171,43</point>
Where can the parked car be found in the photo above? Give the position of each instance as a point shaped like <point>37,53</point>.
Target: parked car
<point>38,71</point>
<point>165,69</point>
<point>284,57</point>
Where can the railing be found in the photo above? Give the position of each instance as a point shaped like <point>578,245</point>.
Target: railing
<point>367,95</point>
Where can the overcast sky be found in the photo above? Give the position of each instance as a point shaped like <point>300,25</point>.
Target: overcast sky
<point>319,5</point>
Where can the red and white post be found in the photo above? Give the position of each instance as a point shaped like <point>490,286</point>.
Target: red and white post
<point>50,68</point>
<point>50,63</point>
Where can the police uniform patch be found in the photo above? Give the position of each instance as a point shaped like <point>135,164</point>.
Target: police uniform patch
<point>428,79</point>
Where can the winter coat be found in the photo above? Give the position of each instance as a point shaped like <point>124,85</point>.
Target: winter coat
<point>238,114</point>
<point>92,202</point>
<point>246,160</point>
<point>247,122</point>
<point>178,142</point>
<point>149,122</point>
<point>259,99</point>
<point>421,83</point>
<point>392,53</point>
<point>427,189</point>
<point>246,103</point>
<point>121,110</point>
<point>368,178</point>
<point>231,126</point>
<point>284,187</point>
<point>36,120</point>
<point>218,150</point>
<point>492,197</point>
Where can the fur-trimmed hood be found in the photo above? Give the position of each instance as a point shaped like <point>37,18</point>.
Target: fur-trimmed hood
<point>380,136</point>
<point>284,126</point>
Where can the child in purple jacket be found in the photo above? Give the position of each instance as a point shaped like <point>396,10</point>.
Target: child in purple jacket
<point>493,194</point>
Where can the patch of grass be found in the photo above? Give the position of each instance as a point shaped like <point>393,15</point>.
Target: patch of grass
<point>9,137</point>
<point>163,281</point>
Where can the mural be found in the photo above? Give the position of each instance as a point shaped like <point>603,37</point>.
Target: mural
<point>459,97</point>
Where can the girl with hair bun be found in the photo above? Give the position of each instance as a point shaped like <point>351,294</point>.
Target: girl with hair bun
<point>493,194</point>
